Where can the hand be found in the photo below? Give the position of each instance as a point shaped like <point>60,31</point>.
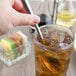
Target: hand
<point>13,14</point>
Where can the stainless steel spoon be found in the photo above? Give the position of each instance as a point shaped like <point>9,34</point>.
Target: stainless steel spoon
<point>27,6</point>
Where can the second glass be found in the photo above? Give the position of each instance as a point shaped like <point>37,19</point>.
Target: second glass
<point>66,13</point>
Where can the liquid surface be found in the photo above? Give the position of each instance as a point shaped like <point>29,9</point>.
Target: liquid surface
<point>51,58</point>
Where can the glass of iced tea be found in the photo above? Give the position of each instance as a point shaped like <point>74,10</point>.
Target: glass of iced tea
<point>52,56</point>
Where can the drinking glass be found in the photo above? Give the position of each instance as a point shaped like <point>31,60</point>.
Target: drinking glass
<point>52,57</point>
<point>66,13</point>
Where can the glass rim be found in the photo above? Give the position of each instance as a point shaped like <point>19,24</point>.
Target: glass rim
<point>55,25</point>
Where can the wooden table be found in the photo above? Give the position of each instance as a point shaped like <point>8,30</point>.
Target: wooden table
<point>25,67</point>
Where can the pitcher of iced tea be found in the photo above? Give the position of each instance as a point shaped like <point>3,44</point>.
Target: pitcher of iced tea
<point>52,58</point>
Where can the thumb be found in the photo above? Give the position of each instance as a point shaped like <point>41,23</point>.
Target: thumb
<point>25,19</point>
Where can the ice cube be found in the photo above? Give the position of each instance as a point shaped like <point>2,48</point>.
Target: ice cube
<point>62,37</point>
<point>68,39</point>
<point>45,32</point>
<point>55,36</point>
<point>63,45</point>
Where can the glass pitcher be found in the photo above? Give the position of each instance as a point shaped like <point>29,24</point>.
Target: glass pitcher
<point>66,13</point>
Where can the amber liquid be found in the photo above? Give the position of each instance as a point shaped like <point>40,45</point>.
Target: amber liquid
<point>49,63</point>
<point>53,60</point>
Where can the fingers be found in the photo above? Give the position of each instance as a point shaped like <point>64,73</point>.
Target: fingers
<point>18,6</point>
<point>21,18</point>
<point>5,27</point>
<point>12,2</point>
<point>25,19</point>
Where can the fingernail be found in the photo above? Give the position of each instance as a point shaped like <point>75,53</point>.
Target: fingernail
<point>36,19</point>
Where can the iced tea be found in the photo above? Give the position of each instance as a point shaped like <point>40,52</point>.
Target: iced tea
<point>52,58</point>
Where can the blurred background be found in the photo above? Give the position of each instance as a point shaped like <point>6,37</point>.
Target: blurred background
<point>64,12</point>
